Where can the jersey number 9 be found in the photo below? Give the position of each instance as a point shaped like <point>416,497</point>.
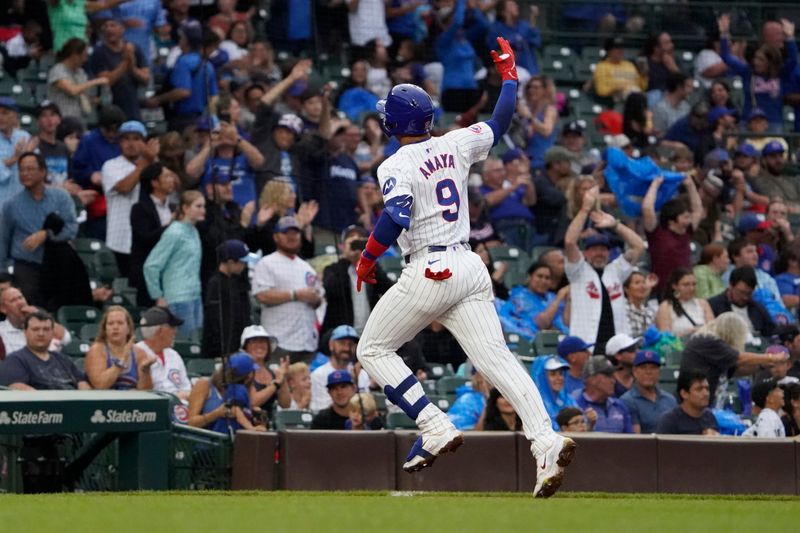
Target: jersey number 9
<point>447,195</point>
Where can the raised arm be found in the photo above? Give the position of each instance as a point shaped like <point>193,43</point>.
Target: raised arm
<point>735,64</point>
<point>649,216</point>
<point>571,249</point>
<point>507,101</point>
<point>695,203</point>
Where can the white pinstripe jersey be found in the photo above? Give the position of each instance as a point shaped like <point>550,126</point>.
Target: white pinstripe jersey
<point>435,173</point>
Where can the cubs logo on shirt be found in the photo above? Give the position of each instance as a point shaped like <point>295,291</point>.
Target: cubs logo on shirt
<point>592,290</point>
<point>174,377</point>
<point>311,279</point>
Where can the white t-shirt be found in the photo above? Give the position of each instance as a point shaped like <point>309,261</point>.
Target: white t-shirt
<point>368,22</point>
<point>705,59</point>
<point>170,376</point>
<point>118,228</point>
<point>234,51</point>
<point>586,296</point>
<point>293,323</point>
<point>436,174</point>
<point>320,399</point>
<point>767,425</point>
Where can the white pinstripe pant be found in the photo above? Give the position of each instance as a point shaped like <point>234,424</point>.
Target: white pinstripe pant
<point>463,304</point>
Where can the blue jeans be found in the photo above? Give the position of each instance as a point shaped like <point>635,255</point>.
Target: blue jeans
<point>192,314</point>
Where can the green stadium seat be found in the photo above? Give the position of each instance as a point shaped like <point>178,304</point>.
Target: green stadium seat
<point>429,386</point>
<point>399,421</point>
<point>79,362</point>
<point>380,401</point>
<point>88,332</point>
<point>200,367</point>
<point>106,265</point>
<point>292,419</point>
<point>442,402</point>
<point>448,386</point>
<point>438,371</point>
<point>546,342</point>
<point>88,245</point>
<point>74,317</point>
<point>188,349</point>
<point>668,375</point>
<point>77,348</point>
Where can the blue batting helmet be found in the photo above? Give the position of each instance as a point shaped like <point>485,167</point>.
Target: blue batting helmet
<point>408,110</point>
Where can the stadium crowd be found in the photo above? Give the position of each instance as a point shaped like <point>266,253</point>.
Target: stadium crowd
<point>197,174</point>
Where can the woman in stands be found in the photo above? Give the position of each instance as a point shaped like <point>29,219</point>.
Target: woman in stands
<point>67,82</point>
<point>641,313</point>
<point>172,270</point>
<point>278,199</point>
<point>499,415</point>
<point>681,312</point>
<point>548,374</point>
<point>637,120</point>
<point>534,307</point>
<point>221,403</point>
<point>541,115</point>
<point>791,409</point>
<point>708,272</point>
<point>113,362</point>
<point>268,387</point>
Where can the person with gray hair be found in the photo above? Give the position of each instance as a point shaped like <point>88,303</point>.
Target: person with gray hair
<point>718,350</point>
<point>158,326</point>
<point>509,199</point>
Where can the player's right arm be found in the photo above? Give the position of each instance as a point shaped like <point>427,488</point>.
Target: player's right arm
<point>507,101</point>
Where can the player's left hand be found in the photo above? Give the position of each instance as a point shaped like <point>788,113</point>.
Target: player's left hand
<point>504,62</point>
<point>365,272</point>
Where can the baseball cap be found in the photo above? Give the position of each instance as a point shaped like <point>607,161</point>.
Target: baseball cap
<point>572,127</point>
<point>258,332</point>
<point>512,155</point>
<point>555,362</point>
<point>597,364</point>
<point>44,105</point>
<point>646,356</point>
<point>772,147</point>
<point>715,157</point>
<point>241,364</point>
<point>558,153</point>
<point>750,222</point>
<point>598,239</point>
<point>193,33</point>
<point>619,342</point>
<point>8,103</point>
<point>787,332</point>
<point>159,316</point>
<point>133,126</point>
<point>339,376</point>
<point>717,112</point>
<point>297,88</point>
<point>746,149</point>
<point>291,122</point>
<point>756,112</point>
<point>344,332</point>
<point>285,224</point>
<point>235,250</point>
<point>572,344</point>
<point>779,349</point>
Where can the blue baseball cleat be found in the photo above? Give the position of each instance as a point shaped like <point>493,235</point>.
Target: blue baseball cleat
<point>428,447</point>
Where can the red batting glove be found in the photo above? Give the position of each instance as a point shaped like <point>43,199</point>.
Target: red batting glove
<point>504,62</point>
<point>365,271</point>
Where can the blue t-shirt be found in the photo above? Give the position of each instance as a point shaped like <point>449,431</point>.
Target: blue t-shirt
<point>645,412</point>
<point>572,385</point>
<point>337,195</point>
<point>299,20</point>
<point>612,416</point>
<point>510,207</point>
<point>404,25</point>
<point>788,284</point>
<point>518,314</point>
<point>196,75</point>
<point>456,54</point>
<point>242,177</point>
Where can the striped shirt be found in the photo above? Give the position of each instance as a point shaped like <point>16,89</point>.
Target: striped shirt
<point>172,270</point>
<point>24,215</point>
<point>118,231</point>
<point>9,176</point>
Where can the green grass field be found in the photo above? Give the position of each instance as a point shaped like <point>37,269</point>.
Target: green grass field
<point>303,511</point>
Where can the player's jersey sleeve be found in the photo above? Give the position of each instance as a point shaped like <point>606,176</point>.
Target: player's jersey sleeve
<point>398,194</point>
<point>473,142</point>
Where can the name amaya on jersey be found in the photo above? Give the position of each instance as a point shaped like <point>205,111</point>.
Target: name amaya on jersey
<point>424,187</point>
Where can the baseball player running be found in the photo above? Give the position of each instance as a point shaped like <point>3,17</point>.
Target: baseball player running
<point>424,187</point>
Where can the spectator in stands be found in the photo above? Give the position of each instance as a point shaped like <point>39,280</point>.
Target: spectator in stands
<point>762,77</point>
<point>645,400</point>
<point>598,309</point>
<point>121,177</point>
<point>55,152</point>
<point>744,253</point>
<point>708,64</point>
<point>554,258</point>
<point>714,261</point>
<point>692,416</point>
<point>35,366</point>
<point>499,415</point>
<point>767,401</point>
<point>791,409</point>
<point>345,304</point>
<point>68,19</point>
<point>639,308</point>
<point>172,270</point>
<point>340,390</point>
<point>550,185</point>
<point>780,369</point>
<point>454,50</point>
<point>23,47</point>
<point>367,21</point>
<point>719,95</point>
<point>236,45</point>
<point>22,237</point>
<point>549,374</point>
<point>659,50</point>
<point>227,15</point>
<point>226,307</point>
<point>534,307</point>
<point>621,351</point>
<point>674,104</point>
<point>268,387</point>
<point>787,277</point>
<point>681,312</point>
<point>148,219</point>
<point>141,19</point>
<point>354,98</point>
<point>123,64</point>
<point>168,371</point>
<point>14,142</point>
<point>614,76</point>
<point>572,419</point>
<point>717,349</point>
<point>509,203</point>
<point>289,292</point>
<point>362,413</point>
<point>669,234</point>
<point>193,81</point>
<point>298,381</point>
<point>780,229</point>
<point>789,336</point>
<point>221,403</point>
<point>342,348</point>
<point>574,140</point>
<point>113,361</point>
<point>540,116</point>
<point>497,269</point>
<point>466,411</point>
<point>277,200</point>
<point>774,180</point>
<point>738,297</point>
<point>637,121</point>
<point>378,82</point>
<point>16,308</point>
<point>575,352</point>
<point>68,83</point>
<point>522,34</point>
<point>598,394</point>
<point>693,131</point>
